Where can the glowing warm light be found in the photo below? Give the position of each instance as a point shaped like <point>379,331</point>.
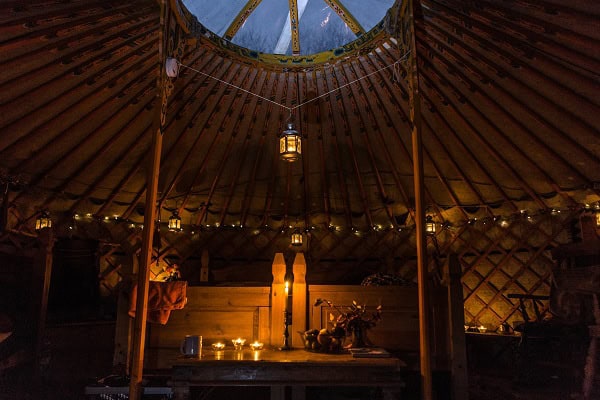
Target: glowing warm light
<point>256,345</point>
<point>297,238</point>
<point>290,144</point>
<point>429,225</point>
<point>238,343</point>
<point>287,288</point>
<point>43,221</point>
<point>218,346</point>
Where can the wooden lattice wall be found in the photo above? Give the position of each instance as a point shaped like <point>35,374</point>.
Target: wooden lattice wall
<point>501,260</point>
<point>498,258</point>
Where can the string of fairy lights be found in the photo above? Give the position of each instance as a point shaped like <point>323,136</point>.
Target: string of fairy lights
<point>435,222</point>
<point>432,225</point>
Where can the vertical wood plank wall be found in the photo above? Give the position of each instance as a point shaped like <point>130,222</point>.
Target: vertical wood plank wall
<point>215,313</point>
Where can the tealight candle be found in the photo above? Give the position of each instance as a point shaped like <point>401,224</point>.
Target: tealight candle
<point>256,345</point>
<point>482,329</point>
<point>218,346</point>
<point>238,343</point>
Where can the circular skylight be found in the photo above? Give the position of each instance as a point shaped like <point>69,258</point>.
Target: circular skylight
<point>266,26</point>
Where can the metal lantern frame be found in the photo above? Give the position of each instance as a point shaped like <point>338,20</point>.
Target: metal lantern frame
<point>290,144</point>
<point>175,222</point>
<point>296,238</point>
<point>43,221</point>
<point>430,227</point>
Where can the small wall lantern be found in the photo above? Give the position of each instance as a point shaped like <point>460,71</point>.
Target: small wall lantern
<point>43,221</point>
<point>429,225</point>
<point>296,238</point>
<point>175,222</point>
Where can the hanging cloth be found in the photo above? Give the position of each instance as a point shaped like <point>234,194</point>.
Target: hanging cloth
<point>162,298</point>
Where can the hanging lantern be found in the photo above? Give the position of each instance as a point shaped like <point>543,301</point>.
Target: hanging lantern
<point>43,221</point>
<point>429,225</point>
<point>290,146</point>
<point>296,238</point>
<point>175,222</point>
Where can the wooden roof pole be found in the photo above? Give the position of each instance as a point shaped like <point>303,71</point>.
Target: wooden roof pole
<point>422,271</point>
<point>139,332</point>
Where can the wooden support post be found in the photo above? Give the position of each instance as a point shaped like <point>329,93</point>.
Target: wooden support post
<point>456,323</point>
<point>42,271</point>
<point>278,299</point>
<point>422,271</point>
<point>139,333</point>
<point>299,312</point>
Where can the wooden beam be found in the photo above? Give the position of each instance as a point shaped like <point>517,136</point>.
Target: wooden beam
<point>239,20</point>
<point>421,239</point>
<point>294,27</point>
<point>139,333</point>
<point>346,16</point>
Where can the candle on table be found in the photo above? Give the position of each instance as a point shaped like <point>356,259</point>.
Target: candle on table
<point>218,346</point>
<point>287,296</point>
<point>238,343</point>
<point>256,345</point>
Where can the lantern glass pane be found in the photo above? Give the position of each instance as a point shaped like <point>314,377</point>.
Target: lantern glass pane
<point>297,239</point>
<point>291,144</point>
<point>282,146</point>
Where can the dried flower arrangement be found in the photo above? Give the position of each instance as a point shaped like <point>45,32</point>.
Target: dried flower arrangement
<point>354,321</point>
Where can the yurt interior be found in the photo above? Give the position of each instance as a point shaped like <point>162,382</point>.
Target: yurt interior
<point>379,200</point>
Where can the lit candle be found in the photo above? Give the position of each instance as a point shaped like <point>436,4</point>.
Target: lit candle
<point>218,346</point>
<point>256,345</point>
<point>238,343</point>
<point>288,296</point>
<point>482,329</point>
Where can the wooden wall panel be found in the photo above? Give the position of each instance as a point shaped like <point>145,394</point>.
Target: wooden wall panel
<point>399,327</point>
<point>215,313</point>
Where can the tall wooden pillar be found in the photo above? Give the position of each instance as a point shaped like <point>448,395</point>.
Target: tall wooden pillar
<point>299,313</point>
<point>417,152</point>
<point>139,332</point>
<point>42,271</point>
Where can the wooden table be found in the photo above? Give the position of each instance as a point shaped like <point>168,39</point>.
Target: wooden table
<point>278,369</point>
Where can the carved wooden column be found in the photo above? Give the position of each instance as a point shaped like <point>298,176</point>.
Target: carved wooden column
<point>299,312</point>
<point>278,299</point>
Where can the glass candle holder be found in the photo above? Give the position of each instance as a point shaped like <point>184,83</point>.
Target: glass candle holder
<point>256,345</point>
<point>238,343</point>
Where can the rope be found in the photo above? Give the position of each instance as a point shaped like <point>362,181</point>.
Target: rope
<point>290,109</point>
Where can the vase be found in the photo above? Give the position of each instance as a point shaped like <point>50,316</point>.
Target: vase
<point>359,337</point>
